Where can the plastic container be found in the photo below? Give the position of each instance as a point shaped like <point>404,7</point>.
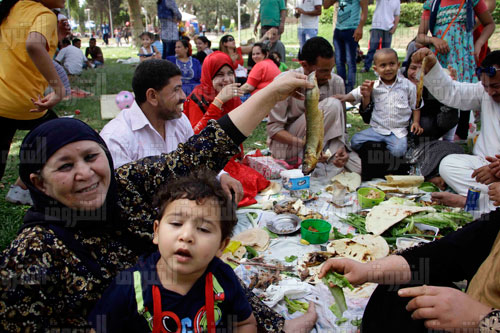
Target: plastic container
<point>365,202</point>
<point>312,237</point>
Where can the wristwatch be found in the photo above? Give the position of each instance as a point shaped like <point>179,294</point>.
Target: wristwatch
<point>491,322</point>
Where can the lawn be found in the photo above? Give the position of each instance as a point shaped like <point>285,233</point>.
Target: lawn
<point>115,77</point>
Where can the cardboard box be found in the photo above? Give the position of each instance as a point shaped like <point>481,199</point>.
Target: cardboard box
<point>266,166</point>
<point>300,183</point>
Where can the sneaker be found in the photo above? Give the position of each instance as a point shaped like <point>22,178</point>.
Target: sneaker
<point>17,195</point>
<point>364,70</point>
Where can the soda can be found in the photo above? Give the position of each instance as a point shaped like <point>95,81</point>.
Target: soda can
<point>472,202</point>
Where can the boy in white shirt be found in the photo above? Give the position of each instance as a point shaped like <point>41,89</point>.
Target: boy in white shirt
<point>394,98</point>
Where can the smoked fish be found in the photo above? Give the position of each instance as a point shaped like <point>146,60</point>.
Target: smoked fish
<point>314,127</point>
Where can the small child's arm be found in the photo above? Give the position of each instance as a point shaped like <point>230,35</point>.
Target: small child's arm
<point>345,97</point>
<point>36,47</point>
<point>415,126</point>
<point>248,325</point>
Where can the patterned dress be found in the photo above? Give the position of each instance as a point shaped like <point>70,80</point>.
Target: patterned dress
<point>45,284</point>
<point>461,42</point>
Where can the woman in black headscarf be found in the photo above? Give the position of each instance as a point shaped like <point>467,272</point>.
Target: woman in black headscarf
<point>89,222</point>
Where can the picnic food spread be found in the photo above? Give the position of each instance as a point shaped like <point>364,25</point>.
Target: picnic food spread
<point>271,255</point>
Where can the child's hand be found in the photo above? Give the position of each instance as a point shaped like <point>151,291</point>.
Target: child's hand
<point>342,98</point>
<point>416,129</point>
<point>46,103</point>
<point>367,88</point>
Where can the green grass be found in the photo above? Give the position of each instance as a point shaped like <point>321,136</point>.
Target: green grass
<point>115,77</point>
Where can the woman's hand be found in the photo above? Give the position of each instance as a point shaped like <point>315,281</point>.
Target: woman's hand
<point>444,308</point>
<point>355,272</point>
<point>440,45</point>
<point>230,91</point>
<point>289,84</point>
<point>416,129</point>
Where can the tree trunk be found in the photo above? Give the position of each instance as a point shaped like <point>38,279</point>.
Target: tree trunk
<point>135,21</point>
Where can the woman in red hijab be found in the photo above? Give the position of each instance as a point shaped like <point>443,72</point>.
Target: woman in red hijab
<point>217,95</point>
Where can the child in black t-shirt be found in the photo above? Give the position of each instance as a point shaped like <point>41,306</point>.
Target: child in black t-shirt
<point>183,287</point>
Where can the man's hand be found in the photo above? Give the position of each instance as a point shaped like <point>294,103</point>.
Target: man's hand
<point>358,34</point>
<point>444,308</point>
<point>494,164</point>
<point>422,53</point>
<point>484,175</point>
<point>354,271</point>
<point>228,183</point>
<point>340,158</point>
<point>494,193</point>
<point>255,29</point>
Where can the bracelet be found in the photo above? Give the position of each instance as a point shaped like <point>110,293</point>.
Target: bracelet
<point>219,100</point>
<point>491,322</point>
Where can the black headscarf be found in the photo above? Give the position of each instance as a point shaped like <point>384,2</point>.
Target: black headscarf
<point>38,146</point>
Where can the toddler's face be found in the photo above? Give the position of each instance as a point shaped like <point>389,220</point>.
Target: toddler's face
<point>188,237</point>
<point>386,65</point>
<point>146,41</point>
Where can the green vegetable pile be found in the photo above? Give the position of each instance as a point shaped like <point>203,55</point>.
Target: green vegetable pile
<point>336,234</point>
<point>335,282</point>
<point>290,258</point>
<point>294,305</point>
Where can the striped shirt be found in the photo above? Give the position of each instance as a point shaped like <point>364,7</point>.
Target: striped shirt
<point>393,106</point>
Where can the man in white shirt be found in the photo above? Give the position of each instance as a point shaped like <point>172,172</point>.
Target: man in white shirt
<point>155,123</point>
<point>309,12</point>
<point>384,23</point>
<point>461,171</point>
<point>71,57</point>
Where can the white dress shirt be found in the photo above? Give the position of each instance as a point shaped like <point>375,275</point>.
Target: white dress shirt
<point>393,106</point>
<point>130,136</point>
<point>468,96</point>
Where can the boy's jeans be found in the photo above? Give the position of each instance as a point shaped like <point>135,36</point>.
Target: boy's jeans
<point>396,146</point>
<point>345,52</point>
<point>305,34</point>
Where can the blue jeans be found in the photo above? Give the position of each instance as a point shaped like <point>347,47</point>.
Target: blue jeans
<point>168,48</point>
<point>345,53</point>
<point>305,34</point>
<point>396,146</point>
<point>375,35</point>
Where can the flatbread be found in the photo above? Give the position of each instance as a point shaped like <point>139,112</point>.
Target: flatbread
<point>398,189</point>
<point>349,180</point>
<point>272,189</point>
<point>404,180</point>
<point>381,218</point>
<point>362,248</point>
<point>256,237</point>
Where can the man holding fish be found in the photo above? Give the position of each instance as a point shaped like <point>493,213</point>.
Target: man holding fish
<point>286,128</point>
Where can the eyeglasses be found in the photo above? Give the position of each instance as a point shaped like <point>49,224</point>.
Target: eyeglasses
<point>490,71</point>
<point>230,39</point>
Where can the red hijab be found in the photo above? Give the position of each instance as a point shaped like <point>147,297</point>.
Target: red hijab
<point>205,92</point>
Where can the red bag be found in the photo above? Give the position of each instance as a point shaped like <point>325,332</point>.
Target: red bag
<point>252,181</point>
